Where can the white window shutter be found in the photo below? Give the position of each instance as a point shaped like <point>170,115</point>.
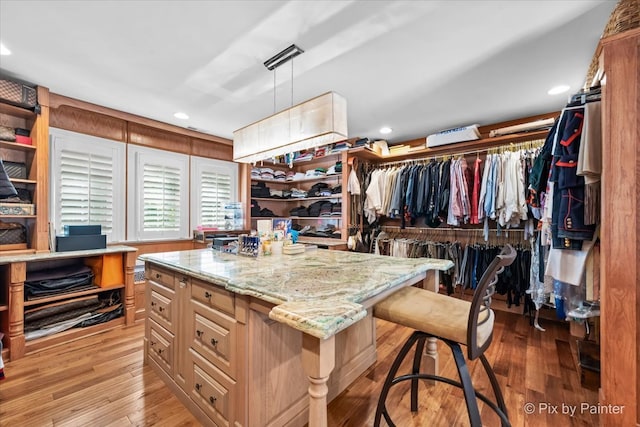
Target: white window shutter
<point>215,183</point>
<point>87,184</point>
<point>158,204</point>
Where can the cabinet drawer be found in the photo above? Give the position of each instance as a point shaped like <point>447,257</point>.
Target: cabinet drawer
<point>212,296</point>
<point>162,306</point>
<point>214,337</point>
<point>161,347</point>
<point>213,392</point>
<point>160,275</point>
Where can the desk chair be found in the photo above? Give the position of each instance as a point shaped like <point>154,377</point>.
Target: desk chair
<point>453,321</point>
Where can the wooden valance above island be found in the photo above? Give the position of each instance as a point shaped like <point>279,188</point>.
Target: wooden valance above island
<point>268,341</point>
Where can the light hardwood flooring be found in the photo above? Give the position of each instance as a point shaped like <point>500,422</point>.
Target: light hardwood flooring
<point>101,381</point>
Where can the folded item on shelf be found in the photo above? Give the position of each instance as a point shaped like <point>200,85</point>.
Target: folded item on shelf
<point>299,211</point>
<point>325,209</point>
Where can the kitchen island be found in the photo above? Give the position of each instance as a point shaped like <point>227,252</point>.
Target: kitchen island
<point>268,341</point>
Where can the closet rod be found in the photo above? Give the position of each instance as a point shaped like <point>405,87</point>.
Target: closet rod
<point>451,229</point>
<point>517,146</point>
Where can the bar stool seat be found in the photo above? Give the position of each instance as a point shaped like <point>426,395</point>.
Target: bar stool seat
<point>455,322</point>
<point>435,314</point>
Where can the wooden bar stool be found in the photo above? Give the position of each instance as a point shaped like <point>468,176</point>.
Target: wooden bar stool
<point>455,322</point>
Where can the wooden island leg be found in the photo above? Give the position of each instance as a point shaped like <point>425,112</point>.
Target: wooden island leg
<point>318,360</point>
<point>430,356</point>
<point>17,276</point>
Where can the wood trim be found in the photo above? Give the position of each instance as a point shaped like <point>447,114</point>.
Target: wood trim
<point>89,123</point>
<point>210,149</point>
<point>59,100</point>
<point>158,138</point>
<point>620,296</point>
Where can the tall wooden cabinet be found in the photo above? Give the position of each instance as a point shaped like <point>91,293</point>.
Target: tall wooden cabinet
<point>620,233</point>
<point>35,157</point>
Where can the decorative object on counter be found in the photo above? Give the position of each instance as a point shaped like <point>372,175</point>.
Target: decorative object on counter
<point>233,216</point>
<point>293,249</point>
<point>248,245</point>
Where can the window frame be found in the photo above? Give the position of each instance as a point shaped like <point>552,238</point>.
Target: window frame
<point>61,139</point>
<point>137,157</point>
<point>204,164</point>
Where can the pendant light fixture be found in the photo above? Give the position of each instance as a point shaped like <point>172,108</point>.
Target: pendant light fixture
<point>316,122</point>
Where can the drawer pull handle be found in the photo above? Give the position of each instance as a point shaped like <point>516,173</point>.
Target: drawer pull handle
<point>160,308</point>
<point>158,275</point>
<point>207,295</point>
<point>212,400</point>
<point>159,351</point>
<point>198,386</point>
<point>214,342</point>
<point>199,333</point>
<point>153,304</point>
<point>153,343</point>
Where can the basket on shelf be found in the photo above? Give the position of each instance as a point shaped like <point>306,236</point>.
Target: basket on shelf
<point>625,16</point>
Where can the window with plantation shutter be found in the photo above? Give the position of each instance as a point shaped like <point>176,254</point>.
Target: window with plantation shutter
<point>214,186</point>
<point>158,187</point>
<point>87,185</point>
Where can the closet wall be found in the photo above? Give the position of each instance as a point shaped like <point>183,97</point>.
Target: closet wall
<point>90,119</point>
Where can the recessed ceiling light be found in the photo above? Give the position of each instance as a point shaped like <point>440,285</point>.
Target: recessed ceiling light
<point>4,50</point>
<point>181,115</point>
<point>386,129</point>
<point>556,90</point>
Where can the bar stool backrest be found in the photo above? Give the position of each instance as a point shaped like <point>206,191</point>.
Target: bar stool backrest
<point>480,312</point>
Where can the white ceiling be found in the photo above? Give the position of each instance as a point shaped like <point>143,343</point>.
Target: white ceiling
<point>416,66</point>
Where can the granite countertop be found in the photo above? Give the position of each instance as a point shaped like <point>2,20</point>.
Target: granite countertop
<point>46,256</point>
<point>318,292</point>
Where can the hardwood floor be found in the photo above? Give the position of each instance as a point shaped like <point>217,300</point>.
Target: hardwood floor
<point>101,381</point>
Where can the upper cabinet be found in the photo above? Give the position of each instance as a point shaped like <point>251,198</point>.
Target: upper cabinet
<point>28,166</point>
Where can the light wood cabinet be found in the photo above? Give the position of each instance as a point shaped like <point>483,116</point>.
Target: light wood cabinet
<point>228,362</point>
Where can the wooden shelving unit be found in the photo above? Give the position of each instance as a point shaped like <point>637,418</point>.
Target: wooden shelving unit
<point>281,207</point>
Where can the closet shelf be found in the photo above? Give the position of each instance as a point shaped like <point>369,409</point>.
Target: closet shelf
<point>451,149</point>
<point>4,307</point>
<point>16,146</point>
<point>71,295</point>
<point>23,181</point>
<point>314,161</point>
<point>297,199</point>
<point>314,179</point>
<point>17,111</point>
